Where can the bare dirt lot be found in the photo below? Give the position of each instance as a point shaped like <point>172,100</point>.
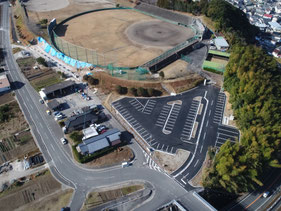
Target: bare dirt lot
<point>15,123</point>
<point>175,70</point>
<point>172,162</point>
<point>110,37</point>
<point>24,193</point>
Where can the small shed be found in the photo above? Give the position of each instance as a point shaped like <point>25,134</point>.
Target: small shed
<point>221,44</point>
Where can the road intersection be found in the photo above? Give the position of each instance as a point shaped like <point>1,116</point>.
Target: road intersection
<point>47,134</point>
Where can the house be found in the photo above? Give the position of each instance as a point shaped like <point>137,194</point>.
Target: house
<point>267,16</point>
<point>4,84</point>
<point>276,27</point>
<point>80,121</point>
<point>96,143</point>
<point>221,44</point>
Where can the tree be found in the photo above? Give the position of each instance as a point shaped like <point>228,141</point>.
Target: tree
<point>91,80</point>
<point>133,91</point>
<point>118,89</point>
<point>42,61</point>
<point>85,77</point>
<point>162,74</point>
<point>150,92</point>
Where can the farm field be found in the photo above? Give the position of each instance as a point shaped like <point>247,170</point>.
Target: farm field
<point>28,195</point>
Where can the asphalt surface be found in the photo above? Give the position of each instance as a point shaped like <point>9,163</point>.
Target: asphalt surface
<point>47,134</point>
<point>172,123</point>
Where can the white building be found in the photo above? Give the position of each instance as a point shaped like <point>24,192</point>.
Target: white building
<point>276,27</point>
<point>4,84</point>
<point>221,44</point>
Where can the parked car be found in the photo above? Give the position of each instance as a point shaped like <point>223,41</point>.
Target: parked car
<point>48,112</point>
<point>63,141</point>
<point>101,128</point>
<point>57,113</point>
<point>41,101</point>
<point>59,117</point>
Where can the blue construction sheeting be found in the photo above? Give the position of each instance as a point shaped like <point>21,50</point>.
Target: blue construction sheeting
<point>47,48</point>
<point>61,56</point>
<point>53,52</point>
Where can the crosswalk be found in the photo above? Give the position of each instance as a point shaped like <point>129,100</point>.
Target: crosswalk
<point>151,164</point>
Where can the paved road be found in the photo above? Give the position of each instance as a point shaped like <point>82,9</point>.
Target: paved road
<point>47,134</point>
<point>254,201</point>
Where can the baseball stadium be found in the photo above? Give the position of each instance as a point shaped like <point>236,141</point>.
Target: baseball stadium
<point>125,40</point>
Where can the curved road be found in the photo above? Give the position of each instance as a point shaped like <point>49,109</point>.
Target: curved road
<point>47,134</point>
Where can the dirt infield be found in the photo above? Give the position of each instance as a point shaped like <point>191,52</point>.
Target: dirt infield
<point>105,32</point>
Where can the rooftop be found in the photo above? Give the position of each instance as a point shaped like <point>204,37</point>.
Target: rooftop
<point>220,41</point>
<point>4,81</point>
<point>99,142</point>
<point>81,118</point>
<point>58,86</point>
<point>219,53</point>
<point>53,104</point>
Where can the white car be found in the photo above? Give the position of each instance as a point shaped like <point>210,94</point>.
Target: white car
<point>63,141</point>
<point>265,194</point>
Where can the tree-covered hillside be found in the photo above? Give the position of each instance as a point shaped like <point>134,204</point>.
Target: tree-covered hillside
<point>253,80</point>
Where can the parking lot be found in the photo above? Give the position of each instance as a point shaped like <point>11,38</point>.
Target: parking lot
<point>173,122</point>
<point>190,121</point>
<point>165,123</point>
<point>219,109</point>
<point>226,133</point>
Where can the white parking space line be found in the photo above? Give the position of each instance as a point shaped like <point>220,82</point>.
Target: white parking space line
<point>201,148</point>
<point>229,131</point>
<point>196,163</point>
<point>227,135</point>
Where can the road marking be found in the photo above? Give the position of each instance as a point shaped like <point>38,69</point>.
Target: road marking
<point>196,163</point>
<point>207,123</point>
<point>209,112</point>
<point>183,181</point>
<point>204,136</point>
<point>201,148</point>
<point>40,124</point>
<point>212,102</point>
<point>53,147</point>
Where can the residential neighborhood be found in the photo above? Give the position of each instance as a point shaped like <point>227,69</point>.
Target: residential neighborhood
<point>266,15</point>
